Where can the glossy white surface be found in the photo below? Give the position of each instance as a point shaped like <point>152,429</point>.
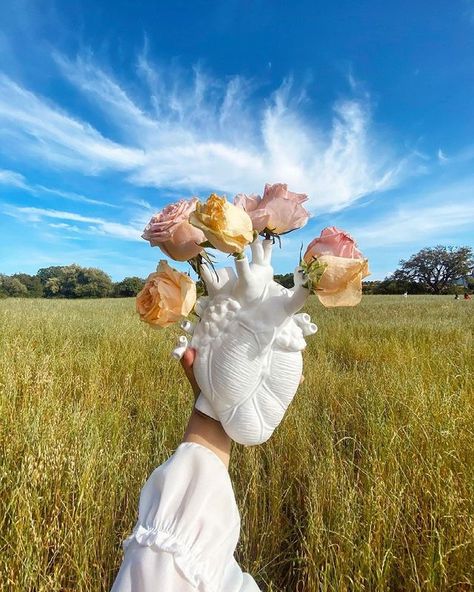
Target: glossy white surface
<point>248,342</point>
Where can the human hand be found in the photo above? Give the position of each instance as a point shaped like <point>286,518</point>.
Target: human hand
<point>187,362</point>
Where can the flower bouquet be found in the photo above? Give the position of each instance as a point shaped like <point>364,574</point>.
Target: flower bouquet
<point>249,333</point>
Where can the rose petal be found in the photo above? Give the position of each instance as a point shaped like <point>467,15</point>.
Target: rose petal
<point>280,191</point>
<point>333,241</point>
<point>171,231</point>
<point>247,202</point>
<point>341,282</point>
<point>226,226</point>
<point>167,297</point>
<point>285,215</point>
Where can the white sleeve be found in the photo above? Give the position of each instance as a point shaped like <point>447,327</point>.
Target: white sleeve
<point>147,570</point>
<point>187,530</point>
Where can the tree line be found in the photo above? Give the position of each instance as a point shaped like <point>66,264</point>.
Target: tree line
<point>434,270</point>
<point>68,281</point>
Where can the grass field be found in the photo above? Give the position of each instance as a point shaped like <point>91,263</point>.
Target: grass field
<point>368,484</point>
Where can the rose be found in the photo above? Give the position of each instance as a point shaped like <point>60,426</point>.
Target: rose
<point>167,297</point>
<point>335,268</point>
<point>171,231</point>
<point>227,227</point>
<point>333,241</point>
<point>278,211</point>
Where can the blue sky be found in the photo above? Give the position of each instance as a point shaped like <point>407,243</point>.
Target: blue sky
<point>109,110</point>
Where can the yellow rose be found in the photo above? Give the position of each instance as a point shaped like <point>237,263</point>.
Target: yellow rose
<point>167,297</point>
<point>341,282</point>
<point>227,227</point>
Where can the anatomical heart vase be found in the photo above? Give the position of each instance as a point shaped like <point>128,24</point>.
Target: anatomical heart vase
<point>248,332</point>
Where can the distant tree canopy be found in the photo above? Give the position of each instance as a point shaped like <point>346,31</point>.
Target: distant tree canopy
<point>434,270</point>
<point>129,286</point>
<point>285,279</point>
<point>73,281</point>
<point>11,286</point>
<point>68,281</point>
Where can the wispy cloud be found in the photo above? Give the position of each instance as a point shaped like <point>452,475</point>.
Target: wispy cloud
<point>204,134</point>
<point>34,126</point>
<point>442,156</point>
<point>93,224</point>
<point>449,209</point>
<point>13,179</point>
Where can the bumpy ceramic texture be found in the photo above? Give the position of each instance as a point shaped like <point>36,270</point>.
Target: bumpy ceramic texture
<point>248,346</point>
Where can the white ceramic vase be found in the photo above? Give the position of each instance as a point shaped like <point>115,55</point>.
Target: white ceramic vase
<point>248,345</point>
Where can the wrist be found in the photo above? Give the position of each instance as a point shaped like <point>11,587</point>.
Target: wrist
<point>208,432</point>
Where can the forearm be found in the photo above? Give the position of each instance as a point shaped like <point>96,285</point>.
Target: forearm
<point>209,433</point>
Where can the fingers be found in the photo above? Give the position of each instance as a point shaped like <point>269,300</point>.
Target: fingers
<point>187,362</point>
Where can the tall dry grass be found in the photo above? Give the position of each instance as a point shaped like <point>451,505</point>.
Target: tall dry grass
<point>368,484</point>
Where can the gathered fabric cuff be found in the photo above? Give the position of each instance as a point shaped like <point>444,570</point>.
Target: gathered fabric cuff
<point>190,566</point>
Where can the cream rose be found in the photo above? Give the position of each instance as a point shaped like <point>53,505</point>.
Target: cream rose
<point>227,227</point>
<point>278,211</point>
<point>168,296</point>
<point>336,268</point>
<point>171,231</point>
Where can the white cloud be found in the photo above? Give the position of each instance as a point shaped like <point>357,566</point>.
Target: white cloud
<point>96,225</point>
<point>204,134</point>
<point>447,209</point>
<point>14,179</point>
<point>442,156</point>
<point>33,125</point>
<point>72,196</point>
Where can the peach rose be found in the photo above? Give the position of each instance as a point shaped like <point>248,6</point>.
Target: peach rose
<point>168,296</point>
<point>278,211</point>
<point>335,268</point>
<point>171,231</point>
<point>227,227</point>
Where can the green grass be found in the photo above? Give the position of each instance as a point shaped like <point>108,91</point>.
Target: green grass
<point>368,484</point>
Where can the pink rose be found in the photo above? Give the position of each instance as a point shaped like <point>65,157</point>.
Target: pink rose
<point>171,231</point>
<point>333,241</point>
<point>278,211</point>
<point>336,268</point>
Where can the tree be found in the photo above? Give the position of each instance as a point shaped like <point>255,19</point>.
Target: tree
<point>93,283</point>
<point>32,282</point>
<point>74,281</point>
<point>129,286</point>
<point>285,279</point>
<point>11,287</point>
<point>435,269</point>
